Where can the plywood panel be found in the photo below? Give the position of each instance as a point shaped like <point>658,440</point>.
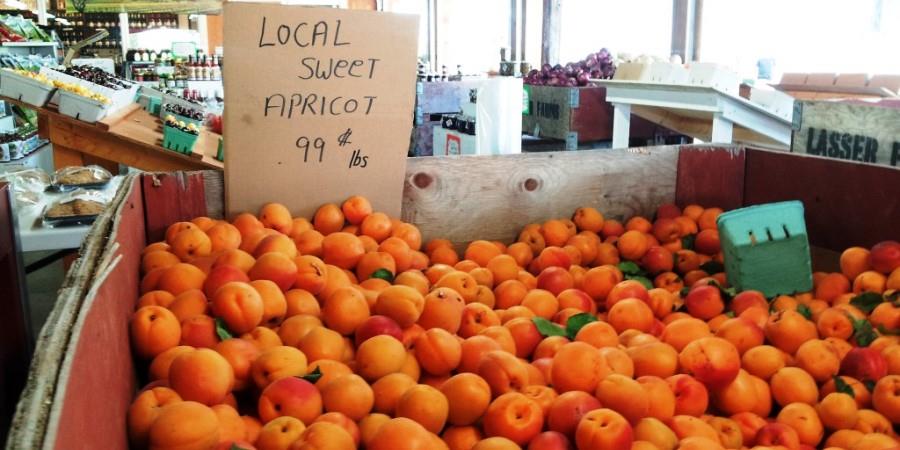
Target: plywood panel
<point>711,176</point>
<point>492,197</point>
<point>846,203</point>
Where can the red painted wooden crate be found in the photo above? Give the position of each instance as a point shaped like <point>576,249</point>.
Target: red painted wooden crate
<point>80,402</point>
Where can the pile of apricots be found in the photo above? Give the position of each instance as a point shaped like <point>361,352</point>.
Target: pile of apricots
<point>346,331</point>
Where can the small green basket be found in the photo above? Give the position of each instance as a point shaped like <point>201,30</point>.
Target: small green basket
<point>153,105</point>
<point>766,248</point>
<point>179,141</point>
<point>220,153</point>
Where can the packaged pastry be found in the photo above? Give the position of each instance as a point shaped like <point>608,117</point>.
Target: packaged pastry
<point>78,177</point>
<point>79,207</point>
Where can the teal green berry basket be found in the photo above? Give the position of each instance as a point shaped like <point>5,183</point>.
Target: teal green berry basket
<point>179,141</point>
<point>766,248</point>
<point>153,105</point>
<point>220,152</point>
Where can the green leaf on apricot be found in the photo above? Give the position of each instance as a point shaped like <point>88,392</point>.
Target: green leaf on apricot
<point>863,332</point>
<point>804,311</point>
<point>383,274</point>
<point>684,291</point>
<point>729,314</point>
<point>870,385</point>
<point>727,293</point>
<point>222,330</point>
<point>867,301</point>
<point>235,447</point>
<point>892,296</point>
<point>885,331</point>
<point>841,386</point>
<point>629,268</point>
<point>547,328</point>
<point>687,242</point>
<point>643,280</point>
<point>313,376</point>
<point>577,322</point>
<point>712,267</point>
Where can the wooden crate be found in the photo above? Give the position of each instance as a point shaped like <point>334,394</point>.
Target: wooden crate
<point>83,376</point>
<point>852,131</point>
<point>578,114</point>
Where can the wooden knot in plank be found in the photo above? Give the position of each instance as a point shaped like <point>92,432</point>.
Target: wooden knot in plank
<point>422,180</point>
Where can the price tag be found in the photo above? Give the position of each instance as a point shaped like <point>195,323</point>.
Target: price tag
<point>320,105</point>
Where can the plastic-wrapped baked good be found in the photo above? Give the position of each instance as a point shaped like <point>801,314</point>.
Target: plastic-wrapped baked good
<point>75,177</point>
<point>79,207</point>
<point>27,185</point>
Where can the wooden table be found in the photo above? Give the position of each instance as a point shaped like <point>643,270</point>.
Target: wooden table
<point>131,136</point>
<point>698,111</point>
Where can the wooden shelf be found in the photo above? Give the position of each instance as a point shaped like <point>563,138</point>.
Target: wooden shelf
<point>131,136</point>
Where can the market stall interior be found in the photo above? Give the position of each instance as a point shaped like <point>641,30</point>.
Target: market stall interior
<point>524,224</point>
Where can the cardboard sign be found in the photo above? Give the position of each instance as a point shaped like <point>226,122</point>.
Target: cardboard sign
<point>320,106</point>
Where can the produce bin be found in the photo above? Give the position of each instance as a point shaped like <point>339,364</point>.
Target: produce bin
<point>120,98</point>
<point>83,376</point>
<point>81,108</point>
<point>24,89</point>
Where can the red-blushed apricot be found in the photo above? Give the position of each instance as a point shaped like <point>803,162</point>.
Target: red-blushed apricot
<point>438,351</point>
<point>604,429</point>
<point>239,305</point>
<point>691,396</point>
<point>401,433</point>
<point>379,356</point>
<point>202,375</point>
<point>154,329</point>
<point>502,371</point>
<point>187,424</point>
<point>425,405</point>
<point>145,409</point>
<point>290,396</point>
<point>713,361</point>
<point>566,411</point>
<point>578,366</point>
<point>350,395</point>
<point>515,417</point>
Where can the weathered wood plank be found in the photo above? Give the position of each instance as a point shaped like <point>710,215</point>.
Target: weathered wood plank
<point>849,131</point>
<point>492,197</point>
<point>711,176</point>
